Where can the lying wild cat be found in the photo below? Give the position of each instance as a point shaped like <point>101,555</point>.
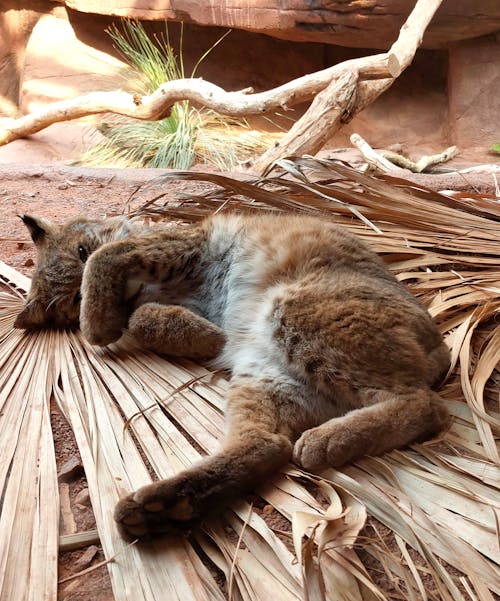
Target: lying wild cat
<point>331,357</point>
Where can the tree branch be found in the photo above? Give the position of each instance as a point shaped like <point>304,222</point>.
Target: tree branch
<point>399,57</point>
<point>339,92</point>
<point>328,111</point>
<point>197,91</point>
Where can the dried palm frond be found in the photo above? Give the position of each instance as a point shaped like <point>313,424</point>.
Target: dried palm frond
<point>438,502</point>
<point>29,496</point>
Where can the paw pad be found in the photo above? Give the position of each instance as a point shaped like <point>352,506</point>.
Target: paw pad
<point>133,519</point>
<point>154,507</point>
<point>161,508</point>
<point>182,511</point>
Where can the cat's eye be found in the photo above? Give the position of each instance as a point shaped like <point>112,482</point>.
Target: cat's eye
<point>83,253</point>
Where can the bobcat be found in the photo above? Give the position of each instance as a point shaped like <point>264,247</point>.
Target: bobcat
<point>331,358</point>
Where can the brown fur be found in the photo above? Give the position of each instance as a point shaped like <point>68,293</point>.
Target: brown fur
<point>331,357</point>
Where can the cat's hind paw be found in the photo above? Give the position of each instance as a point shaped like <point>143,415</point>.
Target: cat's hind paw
<point>327,445</point>
<point>164,507</point>
<point>309,452</point>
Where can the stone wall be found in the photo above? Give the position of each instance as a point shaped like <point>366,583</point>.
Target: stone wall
<point>474,92</point>
<point>359,24</point>
<point>446,96</point>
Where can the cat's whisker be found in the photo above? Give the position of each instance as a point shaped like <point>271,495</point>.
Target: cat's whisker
<point>53,301</point>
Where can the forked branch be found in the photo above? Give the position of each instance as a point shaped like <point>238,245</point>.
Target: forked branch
<point>323,124</point>
<point>199,92</point>
<point>339,92</point>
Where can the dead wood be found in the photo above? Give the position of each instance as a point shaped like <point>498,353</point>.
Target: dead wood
<point>78,540</point>
<point>348,88</point>
<point>197,91</point>
<point>424,163</point>
<point>377,161</point>
<point>387,161</point>
<point>362,93</point>
<point>328,111</point>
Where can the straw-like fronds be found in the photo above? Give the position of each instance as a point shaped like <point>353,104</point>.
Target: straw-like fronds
<point>29,497</point>
<point>438,502</point>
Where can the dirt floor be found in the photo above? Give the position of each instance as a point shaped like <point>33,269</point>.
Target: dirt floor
<point>59,193</point>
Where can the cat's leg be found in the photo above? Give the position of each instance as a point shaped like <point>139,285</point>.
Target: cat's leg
<point>364,351</point>
<point>175,330</point>
<point>257,444</point>
<point>393,421</point>
<point>115,273</point>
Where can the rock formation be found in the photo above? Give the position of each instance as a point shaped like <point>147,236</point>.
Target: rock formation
<point>358,24</point>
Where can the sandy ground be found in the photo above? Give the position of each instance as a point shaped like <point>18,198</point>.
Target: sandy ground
<point>59,192</point>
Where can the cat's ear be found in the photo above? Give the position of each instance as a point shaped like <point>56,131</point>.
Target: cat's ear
<point>32,316</point>
<point>38,227</point>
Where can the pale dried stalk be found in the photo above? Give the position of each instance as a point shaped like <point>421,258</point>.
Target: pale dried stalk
<point>199,92</point>
<point>29,508</point>
<point>377,160</point>
<point>387,161</point>
<point>79,540</point>
<point>356,96</point>
<point>424,163</point>
<point>113,465</point>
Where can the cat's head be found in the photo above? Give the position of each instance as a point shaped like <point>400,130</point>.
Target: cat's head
<point>62,250</point>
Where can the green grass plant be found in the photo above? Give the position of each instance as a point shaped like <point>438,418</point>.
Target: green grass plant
<point>188,135</point>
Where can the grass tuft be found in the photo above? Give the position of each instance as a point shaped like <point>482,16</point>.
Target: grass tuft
<point>188,135</point>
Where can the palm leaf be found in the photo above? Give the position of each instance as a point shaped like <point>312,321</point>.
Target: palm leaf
<point>29,499</point>
<point>438,502</point>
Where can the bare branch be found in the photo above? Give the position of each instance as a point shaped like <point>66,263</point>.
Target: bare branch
<point>197,91</point>
<point>339,92</point>
<point>328,111</point>
<point>377,161</point>
<point>399,57</point>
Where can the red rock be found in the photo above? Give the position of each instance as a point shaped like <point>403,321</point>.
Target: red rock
<point>70,470</point>
<point>361,24</point>
<point>83,498</point>
<point>86,559</point>
<point>473,85</point>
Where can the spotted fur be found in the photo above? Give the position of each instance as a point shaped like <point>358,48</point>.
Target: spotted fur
<point>331,358</point>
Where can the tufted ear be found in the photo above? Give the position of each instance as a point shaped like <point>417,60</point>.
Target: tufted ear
<point>38,227</point>
<point>32,316</point>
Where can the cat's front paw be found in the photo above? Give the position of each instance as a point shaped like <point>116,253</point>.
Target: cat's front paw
<point>165,507</point>
<point>103,310</point>
<point>99,333</point>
